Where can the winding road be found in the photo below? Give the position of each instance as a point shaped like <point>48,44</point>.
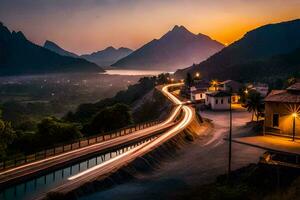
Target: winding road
<point>180,117</point>
<point>105,169</point>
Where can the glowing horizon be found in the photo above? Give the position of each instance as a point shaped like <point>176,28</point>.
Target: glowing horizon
<point>92,25</point>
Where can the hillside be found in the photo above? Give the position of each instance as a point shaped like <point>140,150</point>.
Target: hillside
<point>176,49</point>
<point>20,56</point>
<point>57,49</point>
<point>253,56</point>
<point>107,56</point>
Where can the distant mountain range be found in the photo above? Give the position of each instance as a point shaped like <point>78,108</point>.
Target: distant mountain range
<point>102,58</point>
<point>176,49</point>
<point>107,56</point>
<point>267,52</point>
<point>20,56</point>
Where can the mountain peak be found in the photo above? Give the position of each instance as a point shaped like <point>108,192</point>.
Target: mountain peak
<point>177,28</point>
<point>50,43</point>
<point>177,48</point>
<point>19,35</point>
<point>124,49</point>
<point>52,46</point>
<point>4,30</point>
<point>111,48</point>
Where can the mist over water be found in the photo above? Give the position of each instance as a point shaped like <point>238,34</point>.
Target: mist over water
<point>128,72</point>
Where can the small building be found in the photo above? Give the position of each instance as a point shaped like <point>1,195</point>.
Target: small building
<point>231,86</point>
<point>198,95</point>
<point>198,91</point>
<point>282,107</point>
<point>218,100</point>
<point>261,88</point>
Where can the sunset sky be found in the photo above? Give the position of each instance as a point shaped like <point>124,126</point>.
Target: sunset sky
<point>84,26</point>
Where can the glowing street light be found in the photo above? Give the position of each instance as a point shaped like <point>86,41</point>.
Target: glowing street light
<point>294,125</point>
<point>246,91</point>
<point>172,79</point>
<point>214,83</point>
<point>197,75</point>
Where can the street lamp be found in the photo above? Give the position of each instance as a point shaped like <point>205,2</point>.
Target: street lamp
<point>294,125</point>
<point>197,74</point>
<point>246,91</point>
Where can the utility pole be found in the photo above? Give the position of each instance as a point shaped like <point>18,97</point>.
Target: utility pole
<point>230,137</point>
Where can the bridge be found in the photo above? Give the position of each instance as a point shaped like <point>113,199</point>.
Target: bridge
<point>100,159</point>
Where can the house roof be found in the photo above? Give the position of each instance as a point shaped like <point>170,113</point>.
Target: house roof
<point>201,90</point>
<point>294,87</point>
<point>219,94</point>
<point>283,96</point>
<point>234,85</point>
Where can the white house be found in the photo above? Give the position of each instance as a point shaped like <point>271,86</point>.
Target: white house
<point>231,86</point>
<point>198,95</point>
<point>219,100</point>
<point>198,91</point>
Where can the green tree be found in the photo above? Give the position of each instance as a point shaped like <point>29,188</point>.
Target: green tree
<point>7,136</point>
<point>163,78</point>
<point>52,131</point>
<point>291,81</point>
<point>189,81</point>
<point>110,118</point>
<point>254,103</point>
<point>243,93</point>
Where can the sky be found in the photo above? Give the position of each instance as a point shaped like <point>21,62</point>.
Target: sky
<point>85,26</point>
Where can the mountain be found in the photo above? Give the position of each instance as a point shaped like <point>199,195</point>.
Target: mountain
<point>107,56</point>
<point>20,56</point>
<point>244,58</point>
<point>57,49</point>
<point>177,48</point>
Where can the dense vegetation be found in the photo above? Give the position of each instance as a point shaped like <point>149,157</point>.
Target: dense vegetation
<point>28,133</point>
<point>85,112</point>
<point>109,118</point>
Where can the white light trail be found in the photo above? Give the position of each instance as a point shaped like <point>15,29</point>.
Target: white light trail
<point>150,145</point>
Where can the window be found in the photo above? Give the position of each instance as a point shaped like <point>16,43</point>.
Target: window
<point>216,101</point>
<point>221,101</point>
<point>275,120</point>
<point>201,95</point>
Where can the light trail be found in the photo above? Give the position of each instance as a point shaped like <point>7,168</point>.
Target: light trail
<point>135,152</point>
<point>167,121</point>
<point>105,163</point>
<point>29,169</point>
<point>144,148</point>
<point>171,96</point>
